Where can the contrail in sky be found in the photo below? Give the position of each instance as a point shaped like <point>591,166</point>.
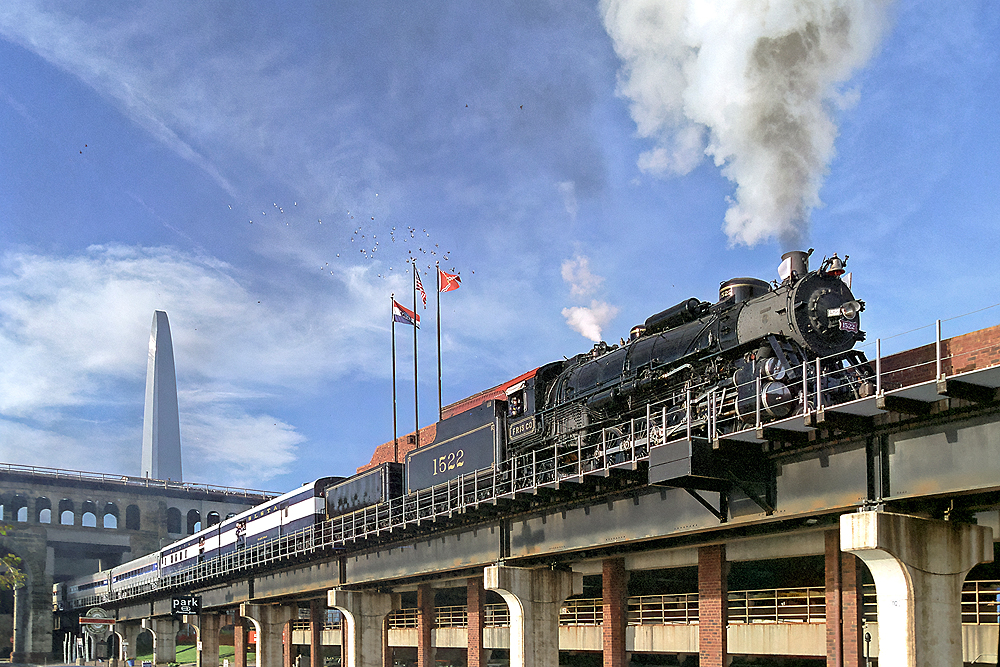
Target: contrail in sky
<point>755,84</point>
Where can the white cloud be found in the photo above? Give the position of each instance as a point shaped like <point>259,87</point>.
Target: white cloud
<point>577,274</point>
<point>568,191</point>
<point>74,333</point>
<point>251,448</point>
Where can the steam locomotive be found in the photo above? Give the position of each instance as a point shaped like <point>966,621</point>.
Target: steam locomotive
<point>762,352</point>
<point>697,370</point>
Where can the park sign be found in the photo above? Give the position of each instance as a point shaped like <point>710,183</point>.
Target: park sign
<point>185,604</point>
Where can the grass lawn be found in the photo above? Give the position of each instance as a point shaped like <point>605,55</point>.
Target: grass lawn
<point>189,654</point>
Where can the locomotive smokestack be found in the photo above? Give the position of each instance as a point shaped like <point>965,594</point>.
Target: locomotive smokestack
<point>794,265</point>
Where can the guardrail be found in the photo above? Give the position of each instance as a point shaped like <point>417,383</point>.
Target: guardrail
<point>769,605</point>
<point>129,481</point>
<point>670,609</point>
<point>778,605</point>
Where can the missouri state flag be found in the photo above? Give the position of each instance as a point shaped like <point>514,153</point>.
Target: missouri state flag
<point>449,281</point>
<point>404,315</point>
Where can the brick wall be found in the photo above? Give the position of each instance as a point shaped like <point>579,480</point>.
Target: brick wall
<point>979,349</point>
<point>712,607</point>
<point>475,593</point>
<point>834,613</point>
<point>425,623</point>
<point>844,605</point>
<point>614,584</point>
<point>406,443</point>
<point>852,608</point>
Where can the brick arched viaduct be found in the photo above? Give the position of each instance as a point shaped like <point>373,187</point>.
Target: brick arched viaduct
<point>64,524</point>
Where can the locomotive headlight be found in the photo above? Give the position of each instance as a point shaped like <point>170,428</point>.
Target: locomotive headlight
<point>851,309</point>
<point>848,310</point>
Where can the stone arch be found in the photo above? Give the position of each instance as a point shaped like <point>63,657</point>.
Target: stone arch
<point>89,516</point>
<point>193,522</point>
<point>212,519</point>
<point>43,510</point>
<point>19,508</point>
<point>252,624</point>
<point>143,648</point>
<point>110,515</point>
<point>174,520</point>
<point>133,518</point>
<point>113,645</point>
<point>67,517</point>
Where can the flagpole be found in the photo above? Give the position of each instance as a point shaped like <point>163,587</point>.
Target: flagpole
<point>416,403</point>
<point>437,265</point>
<point>395,437</point>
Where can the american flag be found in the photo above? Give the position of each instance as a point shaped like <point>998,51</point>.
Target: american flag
<point>420,288</point>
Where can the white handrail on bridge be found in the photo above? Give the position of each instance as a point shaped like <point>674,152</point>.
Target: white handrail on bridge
<point>128,480</point>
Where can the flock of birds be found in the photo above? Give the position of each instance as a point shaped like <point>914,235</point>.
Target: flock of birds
<point>365,238</point>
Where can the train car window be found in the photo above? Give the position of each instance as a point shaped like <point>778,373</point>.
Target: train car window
<point>515,404</point>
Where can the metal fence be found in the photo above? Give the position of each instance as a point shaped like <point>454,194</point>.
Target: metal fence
<point>672,609</point>
<point>774,605</point>
<point>133,482</point>
<point>778,605</point>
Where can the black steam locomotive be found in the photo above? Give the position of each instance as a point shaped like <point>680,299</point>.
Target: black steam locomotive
<point>763,352</point>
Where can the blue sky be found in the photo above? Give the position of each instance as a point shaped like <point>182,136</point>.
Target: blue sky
<point>263,174</point>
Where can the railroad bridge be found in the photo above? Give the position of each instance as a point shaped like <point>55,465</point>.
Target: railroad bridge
<point>869,534</point>
<point>66,523</point>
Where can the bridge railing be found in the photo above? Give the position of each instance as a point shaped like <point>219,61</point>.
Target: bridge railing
<point>669,609</point>
<point>778,605</point>
<point>774,605</point>
<point>129,481</point>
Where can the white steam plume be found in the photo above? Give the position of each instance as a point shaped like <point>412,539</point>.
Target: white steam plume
<point>590,320</point>
<point>587,320</point>
<point>752,83</point>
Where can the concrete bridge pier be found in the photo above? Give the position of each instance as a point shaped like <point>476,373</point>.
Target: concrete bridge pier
<point>129,631</point>
<point>164,639</point>
<point>366,638</point>
<point>919,566</point>
<point>534,598</point>
<point>270,622</point>
<point>208,626</point>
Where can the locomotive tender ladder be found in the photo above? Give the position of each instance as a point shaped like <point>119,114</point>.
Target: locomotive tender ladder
<point>621,445</point>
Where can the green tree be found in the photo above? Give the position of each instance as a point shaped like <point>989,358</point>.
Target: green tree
<point>11,576</point>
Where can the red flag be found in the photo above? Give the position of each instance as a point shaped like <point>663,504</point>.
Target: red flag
<point>449,281</point>
<point>420,288</point>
